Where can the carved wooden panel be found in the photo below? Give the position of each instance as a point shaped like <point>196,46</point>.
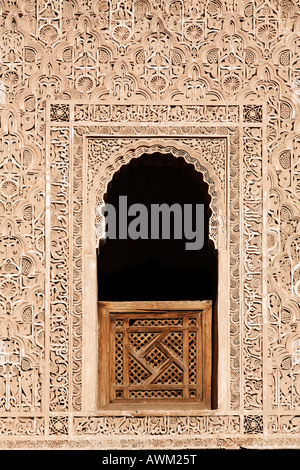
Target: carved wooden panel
<point>156,352</point>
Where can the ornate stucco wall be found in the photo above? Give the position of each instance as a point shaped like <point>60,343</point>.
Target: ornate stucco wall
<point>87,85</point>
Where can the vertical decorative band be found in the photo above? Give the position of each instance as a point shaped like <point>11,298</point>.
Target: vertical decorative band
<point>252,301</point>
<point>235,248</point>
<point>59,271</point>
<point>76,319</point>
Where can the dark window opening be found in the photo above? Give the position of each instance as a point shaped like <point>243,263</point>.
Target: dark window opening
<point>159,270</point>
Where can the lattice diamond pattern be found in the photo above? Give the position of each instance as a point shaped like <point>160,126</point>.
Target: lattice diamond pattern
<point>138,340</point>
<point>137,373</point>
<point>174,342</point>
<point>149,358</point>
<point>155,357</point>
<point>173,375</point>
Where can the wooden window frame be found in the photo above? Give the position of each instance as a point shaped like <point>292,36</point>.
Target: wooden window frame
<point>111,316</point>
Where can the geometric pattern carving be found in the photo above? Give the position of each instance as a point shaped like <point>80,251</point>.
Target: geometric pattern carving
<point>253,424</point>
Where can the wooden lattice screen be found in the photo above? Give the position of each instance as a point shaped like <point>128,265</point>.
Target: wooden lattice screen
<point>151,352</point>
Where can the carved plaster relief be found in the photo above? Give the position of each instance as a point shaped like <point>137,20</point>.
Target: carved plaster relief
<point>215,82</point>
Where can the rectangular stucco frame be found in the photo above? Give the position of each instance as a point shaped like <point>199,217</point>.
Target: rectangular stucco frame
<point>85,143</point>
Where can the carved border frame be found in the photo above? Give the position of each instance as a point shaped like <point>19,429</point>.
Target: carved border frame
<point>104,157</point>
<point>69,126</point>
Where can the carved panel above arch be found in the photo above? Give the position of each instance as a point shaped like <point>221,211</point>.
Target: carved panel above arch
<point>208,155</point>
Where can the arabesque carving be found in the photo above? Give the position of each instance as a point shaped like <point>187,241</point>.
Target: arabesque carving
<point>81,79</point>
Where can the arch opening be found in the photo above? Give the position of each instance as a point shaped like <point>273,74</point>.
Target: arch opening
<point>153,283</point>
<point>160,269</point>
